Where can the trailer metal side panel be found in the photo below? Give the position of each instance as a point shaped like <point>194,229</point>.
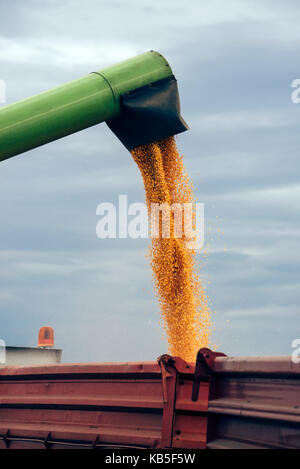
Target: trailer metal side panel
<point>239,403</point>
<point>136,405</point>
<point>255,403</point>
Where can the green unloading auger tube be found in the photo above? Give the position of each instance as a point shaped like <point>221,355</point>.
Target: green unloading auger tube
<point>138,98</point>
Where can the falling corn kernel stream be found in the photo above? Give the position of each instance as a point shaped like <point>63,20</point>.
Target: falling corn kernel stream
<point>185,311</point>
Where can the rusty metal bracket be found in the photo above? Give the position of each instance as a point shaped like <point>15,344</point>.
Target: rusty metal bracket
<point>203,368</point>
<point>47,441</point>
<point>169,381</point>
<point>96,442</point>
<point>164,361</point>
<point>6,439</point>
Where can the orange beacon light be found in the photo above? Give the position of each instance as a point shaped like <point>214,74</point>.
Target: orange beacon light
<point>46,337</point>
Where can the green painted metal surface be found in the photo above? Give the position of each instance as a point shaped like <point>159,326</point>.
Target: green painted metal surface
<point>77,105</point>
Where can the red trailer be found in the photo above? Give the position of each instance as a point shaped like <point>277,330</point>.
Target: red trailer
<point>218,402</point>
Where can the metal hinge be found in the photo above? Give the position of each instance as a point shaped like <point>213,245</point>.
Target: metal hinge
<point>203,368</point>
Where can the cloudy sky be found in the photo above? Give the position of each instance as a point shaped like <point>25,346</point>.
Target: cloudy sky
<point>234,61</point>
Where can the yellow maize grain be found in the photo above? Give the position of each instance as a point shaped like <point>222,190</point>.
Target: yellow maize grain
<point>185,311</point>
